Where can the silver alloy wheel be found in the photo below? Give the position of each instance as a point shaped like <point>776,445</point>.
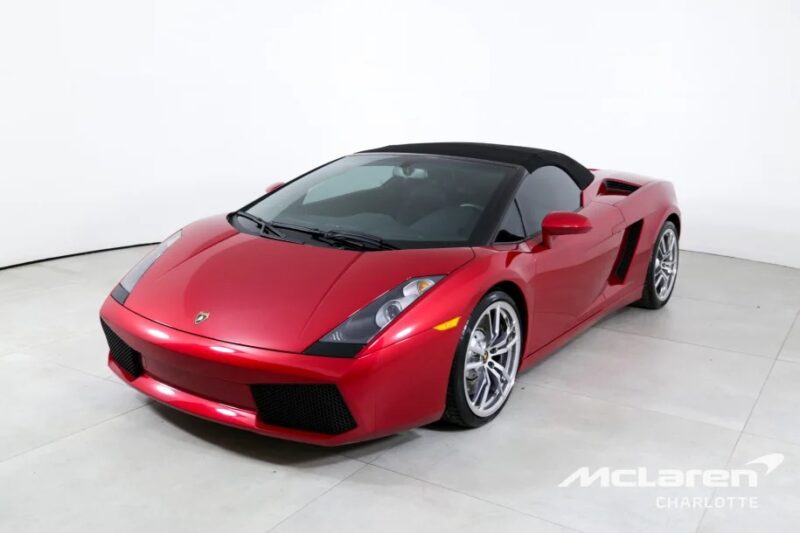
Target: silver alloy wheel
<point>665,269</point>
<point>492,359</point>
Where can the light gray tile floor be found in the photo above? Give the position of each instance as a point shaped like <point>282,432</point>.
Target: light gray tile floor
<point>711,381</point>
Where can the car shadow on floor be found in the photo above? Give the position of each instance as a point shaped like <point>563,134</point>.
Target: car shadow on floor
<point>272,450</point>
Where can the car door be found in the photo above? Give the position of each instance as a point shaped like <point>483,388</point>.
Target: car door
<point>572,271</point>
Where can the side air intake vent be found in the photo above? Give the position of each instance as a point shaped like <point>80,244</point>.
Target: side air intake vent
<point>311,407</point>
<point>625,255</point>
<point>617,187</point>
<point>126,357</point>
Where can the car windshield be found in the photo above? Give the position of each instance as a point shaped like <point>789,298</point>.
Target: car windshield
<point>400,201</point>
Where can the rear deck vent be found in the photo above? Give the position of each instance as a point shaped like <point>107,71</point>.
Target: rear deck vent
<point>617,187</point>
<point>311,407</point>
<point>126,357</point>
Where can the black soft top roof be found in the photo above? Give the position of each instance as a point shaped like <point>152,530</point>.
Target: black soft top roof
<point>530,158</point>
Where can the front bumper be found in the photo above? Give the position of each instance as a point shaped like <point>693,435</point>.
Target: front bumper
<point>399,387</point>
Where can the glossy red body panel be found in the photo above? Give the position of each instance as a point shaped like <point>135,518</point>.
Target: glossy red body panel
<point>269,300</point>
<point>269,293</point>
<point>210,378</point>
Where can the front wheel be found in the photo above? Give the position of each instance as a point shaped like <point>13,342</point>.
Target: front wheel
<point>663,269</point>
<point>486,362</point>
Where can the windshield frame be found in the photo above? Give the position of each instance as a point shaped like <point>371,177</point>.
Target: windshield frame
<point>486,225</point>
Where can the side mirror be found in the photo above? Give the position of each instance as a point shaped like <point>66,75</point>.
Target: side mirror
<point>275,186</point>
<point>564,223</point>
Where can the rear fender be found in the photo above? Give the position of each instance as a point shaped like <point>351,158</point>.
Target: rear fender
<point>651,204</point>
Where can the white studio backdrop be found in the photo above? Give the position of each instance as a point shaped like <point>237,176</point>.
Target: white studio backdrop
<point>122,121</point>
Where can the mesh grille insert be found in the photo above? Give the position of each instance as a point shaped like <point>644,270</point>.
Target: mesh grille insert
<point>311,407</point>
<point>126,357</point>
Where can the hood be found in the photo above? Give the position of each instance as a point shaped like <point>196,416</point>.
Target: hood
<point>268,293</point>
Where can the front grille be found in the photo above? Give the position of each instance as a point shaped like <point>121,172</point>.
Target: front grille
<point>126,357</point>
<point>311,407</point>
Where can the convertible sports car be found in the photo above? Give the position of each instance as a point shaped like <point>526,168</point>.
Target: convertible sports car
<point>389,289</point>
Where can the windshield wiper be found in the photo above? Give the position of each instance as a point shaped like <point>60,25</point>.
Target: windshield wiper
<point>351,239</point>
<point>297,227</point>
<point>361,240</point>
<point>263,225</point>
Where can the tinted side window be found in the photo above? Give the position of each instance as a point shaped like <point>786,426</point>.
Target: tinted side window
<point>511,230</point>
<point>546,189</point>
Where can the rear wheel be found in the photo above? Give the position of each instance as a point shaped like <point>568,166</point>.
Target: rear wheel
<point>663,269</point>
<point>486,362</point>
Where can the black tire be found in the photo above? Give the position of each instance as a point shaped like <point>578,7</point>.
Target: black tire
<point>457,410</point>
<point>650,297</point>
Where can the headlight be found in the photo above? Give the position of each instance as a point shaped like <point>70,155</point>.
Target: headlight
<point>352,334</point>
<point>121,291</point>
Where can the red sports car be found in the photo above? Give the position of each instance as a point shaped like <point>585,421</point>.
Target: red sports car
<point>389,289</point>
